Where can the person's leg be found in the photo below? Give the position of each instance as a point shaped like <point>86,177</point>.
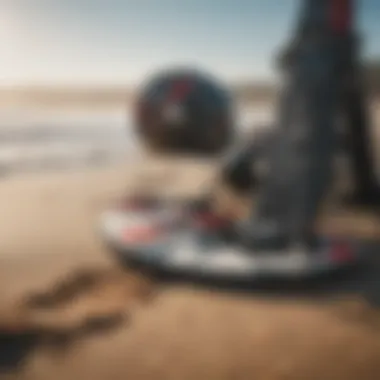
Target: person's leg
<point>302,158</point>
<point>366,187</point>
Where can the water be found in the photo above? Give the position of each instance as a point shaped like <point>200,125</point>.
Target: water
<point>35,139</point>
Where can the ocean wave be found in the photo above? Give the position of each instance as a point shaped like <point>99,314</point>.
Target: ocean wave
<point>33,139</point>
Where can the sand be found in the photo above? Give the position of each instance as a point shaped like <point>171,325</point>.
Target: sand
<point>115,325</point>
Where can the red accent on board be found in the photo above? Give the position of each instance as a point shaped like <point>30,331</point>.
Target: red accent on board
<point>210,220</point>
<point>341,252</point>
<point>141,234</point>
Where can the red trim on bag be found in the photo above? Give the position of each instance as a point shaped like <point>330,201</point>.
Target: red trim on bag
<point>180,89</point>
<point>341,15</point>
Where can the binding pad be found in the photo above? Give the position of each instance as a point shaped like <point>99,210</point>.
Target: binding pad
<point>186,240</point>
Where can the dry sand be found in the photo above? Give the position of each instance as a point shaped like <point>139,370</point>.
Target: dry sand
<point>47,233</point>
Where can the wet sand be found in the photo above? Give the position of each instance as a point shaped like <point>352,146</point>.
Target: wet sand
<point>165,331</point>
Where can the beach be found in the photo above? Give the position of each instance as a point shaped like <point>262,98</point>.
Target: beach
<point>48,234</point>
<point>68,312</point>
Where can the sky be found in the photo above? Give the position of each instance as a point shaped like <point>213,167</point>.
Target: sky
<point>119,42</point>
